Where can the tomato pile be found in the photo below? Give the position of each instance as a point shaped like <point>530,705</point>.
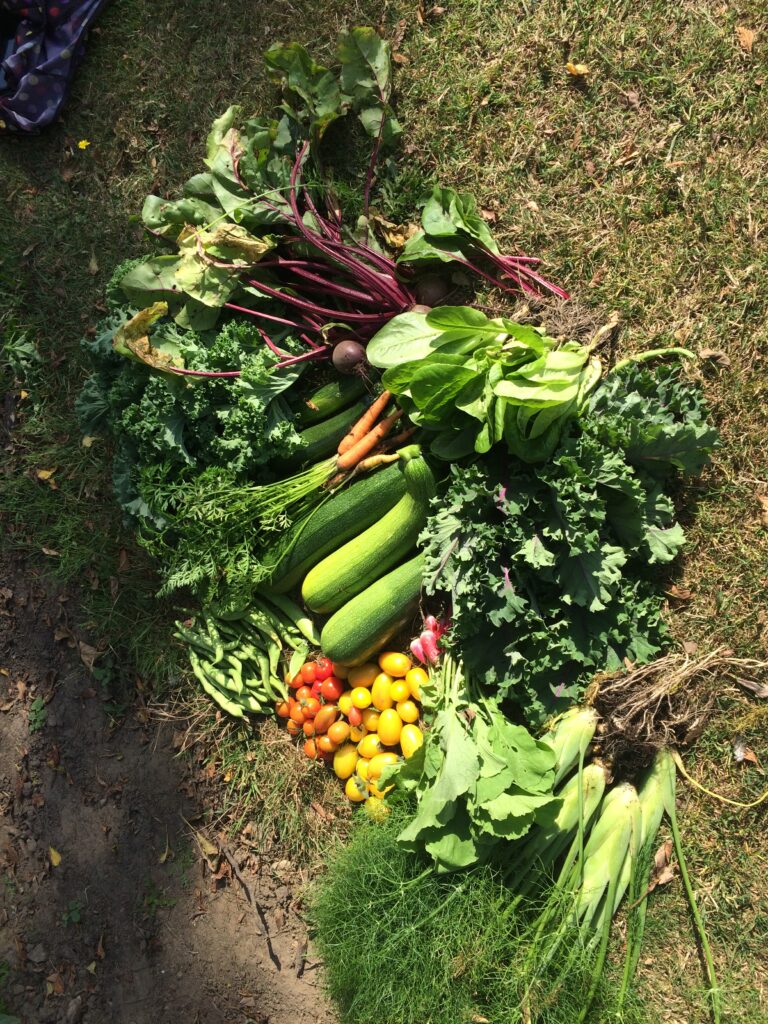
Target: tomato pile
<point>358,719</point>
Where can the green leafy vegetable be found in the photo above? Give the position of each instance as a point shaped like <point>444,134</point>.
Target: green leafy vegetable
<point>552,561</point>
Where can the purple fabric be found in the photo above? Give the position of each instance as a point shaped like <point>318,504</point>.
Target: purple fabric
<point>41,45</point>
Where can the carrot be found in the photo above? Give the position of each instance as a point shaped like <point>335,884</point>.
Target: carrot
<point>366,444</point>
<point>398,439</point>
<point>365,423</point>
<point>373,461</point>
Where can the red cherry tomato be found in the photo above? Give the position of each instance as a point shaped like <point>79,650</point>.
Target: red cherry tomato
<point>303,693</point>
<point>317,689</point>
<point>323,669</point>
<point>355,716</point>
<point>308,672</point>
<point>332,689</point>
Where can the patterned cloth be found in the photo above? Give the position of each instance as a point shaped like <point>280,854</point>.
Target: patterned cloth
<point>41,45</point>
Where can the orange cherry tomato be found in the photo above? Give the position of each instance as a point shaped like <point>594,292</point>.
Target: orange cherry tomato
<point>338,732</point>
<point>304,692</point>
<point>296,682</point>
<point>326,745</point>
<point>325,717</point>
<point>310,706</point>
<point>282,709</point>
<point>294,729</point>
<point>307,672</point>
<point>297,714</point>
<point>308,727</point>
<point>310,749</point>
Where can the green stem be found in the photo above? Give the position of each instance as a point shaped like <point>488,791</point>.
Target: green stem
<point>653,353</point>
<point>714,990</point>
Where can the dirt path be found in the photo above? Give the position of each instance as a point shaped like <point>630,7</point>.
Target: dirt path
<point>131,927</point>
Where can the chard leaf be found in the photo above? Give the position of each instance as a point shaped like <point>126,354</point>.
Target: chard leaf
<point>405,339</point>
<point>152,280</point>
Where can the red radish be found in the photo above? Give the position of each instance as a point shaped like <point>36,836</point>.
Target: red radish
<point>418,651</point>
<point>429,646</point>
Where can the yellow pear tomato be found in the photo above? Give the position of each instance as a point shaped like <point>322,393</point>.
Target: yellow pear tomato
<point>411,738</point>
<point>356,789</point>
<point>362,768</point>
<point>369,745</point>
<point>390,727</point>
<point>379,762</point>
<point>399,691</point>
<point>345,760</point>
<point>371,719</point>
<point>380,692</point>
<point>415,679</point>
<point>408,711</point>
<point>394,664</point>
<point>361,697</point>
<point>345,702</point>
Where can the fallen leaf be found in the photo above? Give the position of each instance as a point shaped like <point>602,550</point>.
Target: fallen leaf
<point>715,355</point>
<point>54,984</point>
<point>87,441</point>
<point>44,474</point>
<point>88,654</point>
<point>746,38</point>
<point>632,98</point>
<point>100,953</point>
<point>23,394</point>
<point>577,70</point>
<point>93,266</point>
<point>54,856</point>
<point>400,58</point>
<point>763,500</point>
<point>436,11</point>
<point>690,647</point>
<point>679,593</point>
<point>51,552</point>
<point>91,967</point>
<point>167,853</point>
<point>123,563</point>
<point>399,34</point>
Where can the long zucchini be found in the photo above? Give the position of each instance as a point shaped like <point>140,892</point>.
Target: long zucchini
<point>361,561</point>
<point>330,399</point>
<point>335,521</point>
<point>363,625</point>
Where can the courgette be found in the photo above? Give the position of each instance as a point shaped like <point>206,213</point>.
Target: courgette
<point>334,522</point>
<point>323,439</point>
<point>363,625</point>
<point>358,563</point>
<point>330,399</point>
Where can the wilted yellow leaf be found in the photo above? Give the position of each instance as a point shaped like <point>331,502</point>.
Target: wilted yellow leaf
<point>91,967</point>
<point>55,856</point>
<point>23,394</point>
<point>87,441</point>
<point>51,552</point>
<point>44,474</point>
<point>577,70</point>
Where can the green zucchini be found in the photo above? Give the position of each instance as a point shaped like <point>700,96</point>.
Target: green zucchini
<point>329,399</point>
<point>363,625</point>
<point>353,567</point>
<point>323,439</point>
<point>335,521</point>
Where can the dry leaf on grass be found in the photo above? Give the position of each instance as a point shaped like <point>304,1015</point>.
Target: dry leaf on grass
<point>679,593</point>
<point>577,70</point>
<point>745,37</point>
<point>743,753</point>
<point>54,856</point>
<point>715,355</point>
<point>763,500</point>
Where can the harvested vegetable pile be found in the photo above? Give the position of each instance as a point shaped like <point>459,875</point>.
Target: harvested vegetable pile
<point>334,473</point>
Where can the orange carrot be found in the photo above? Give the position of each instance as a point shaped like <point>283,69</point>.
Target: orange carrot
<point>365,423</point>
<point>366,444</point>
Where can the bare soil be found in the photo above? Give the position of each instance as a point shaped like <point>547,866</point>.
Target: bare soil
<point>135,924</point>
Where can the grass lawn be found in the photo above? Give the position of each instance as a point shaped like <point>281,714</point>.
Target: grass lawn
<point>642,185</point>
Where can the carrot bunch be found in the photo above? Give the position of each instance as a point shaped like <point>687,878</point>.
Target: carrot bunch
<point>368,444</point>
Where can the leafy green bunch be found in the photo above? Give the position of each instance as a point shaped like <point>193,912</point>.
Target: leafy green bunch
<point>471,381</point>
<point>553,562</point>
